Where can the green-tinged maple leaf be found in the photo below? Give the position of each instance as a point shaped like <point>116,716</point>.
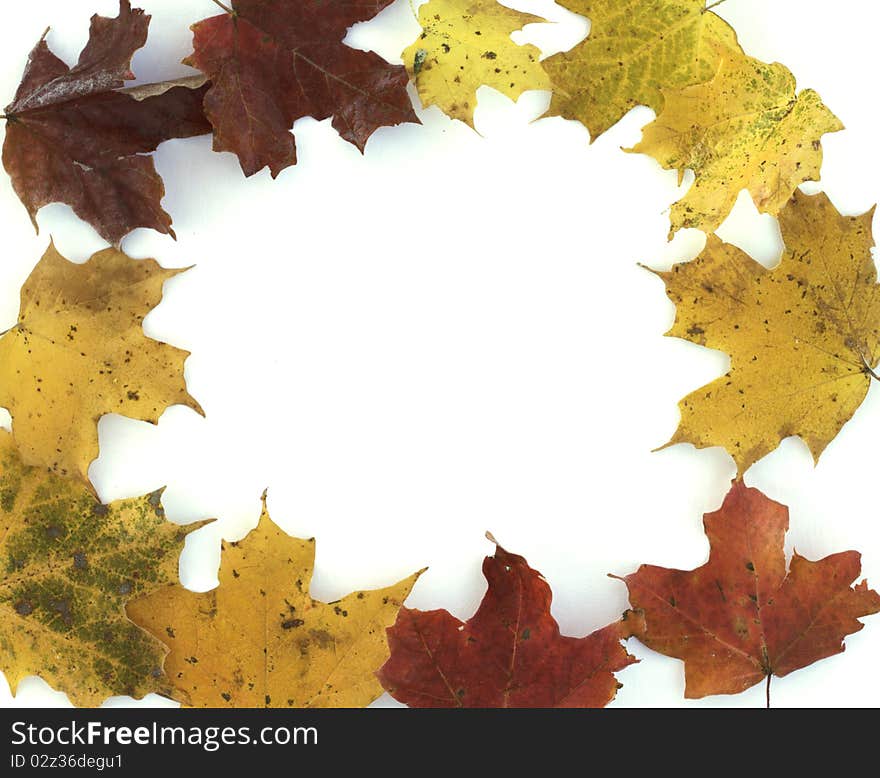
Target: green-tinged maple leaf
<point>635,49</point>
<point>746,128</point>
<point>68,564</point>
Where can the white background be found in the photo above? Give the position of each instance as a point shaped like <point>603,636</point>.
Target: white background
<point>450,335</point>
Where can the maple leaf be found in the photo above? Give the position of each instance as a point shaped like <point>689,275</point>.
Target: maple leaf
<point>747,128</point>
<point>510,654</point>
<point>634,49</point>
<point>78,351</point>
<point>803,338</point>
<point>741,618</point>
<point>272,62</point>
<point>67,566</point>
<point>465,44</point>
<point>260,640</point>
<point>74,136</point>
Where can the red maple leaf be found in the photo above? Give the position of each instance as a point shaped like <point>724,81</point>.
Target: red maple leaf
<point>74,136</point>
<point>741,618</point>
<point>510,654</point>
<point>272,62</point>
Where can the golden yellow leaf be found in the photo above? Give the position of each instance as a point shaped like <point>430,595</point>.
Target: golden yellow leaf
<point>79,351</point>
<point>67,566</point>
<point>260,640</point>
<point>803,338</point>
<point>465,44</point>
<point>747,128</point>
<point>635,49</point>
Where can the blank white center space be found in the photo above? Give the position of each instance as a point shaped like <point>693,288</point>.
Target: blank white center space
<point>451,334</point>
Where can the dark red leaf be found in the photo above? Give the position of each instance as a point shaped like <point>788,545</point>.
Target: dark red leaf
<point>272,62</point>
<point>510,654</point>
<point>74,135</point>
<point>740,618</point>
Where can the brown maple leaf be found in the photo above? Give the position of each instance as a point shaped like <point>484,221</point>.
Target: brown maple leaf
<point>741,618</point>
<point>510,654</point>
<point>272,62</point>
<point>75,136</point>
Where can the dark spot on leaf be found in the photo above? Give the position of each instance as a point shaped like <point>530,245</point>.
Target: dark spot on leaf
<point>156,501</point>
<point>24,608</point>
<point>62,608</point>
<point>322,637</point>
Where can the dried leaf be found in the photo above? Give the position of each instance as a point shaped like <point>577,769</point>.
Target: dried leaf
<point>747,128</point>
<point>260,640</point>
<point>79,351</point>
<point>634,49</point>
<point>273,62</point>
<point>67,566</point>
<point>741,618</point>
<point>465,44</point>
<point>74,136</point>
<point>508,655</point>
<point>803,338</point>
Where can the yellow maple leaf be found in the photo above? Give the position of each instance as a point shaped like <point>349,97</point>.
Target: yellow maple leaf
<point>79,352</point>
<point>635,48</point>
<point>465,44</point>
<point>260,640</point>
<point>67,566</point>
<point>747,128</point>
<point>803,338</point>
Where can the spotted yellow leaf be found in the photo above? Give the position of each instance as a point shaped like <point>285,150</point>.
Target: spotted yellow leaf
<point>68,564</point>
<point>803,338</point>
<point>260,640</point>
<point>465,44</point>
<point>747,128</point>
<point>635,48</point>
<point>78,352</point>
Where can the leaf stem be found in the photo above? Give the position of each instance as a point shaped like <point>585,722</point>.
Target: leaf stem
<point>867,367</point>
<point>712,5</point>
<point>231,12</point>
<point>769,676</point>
